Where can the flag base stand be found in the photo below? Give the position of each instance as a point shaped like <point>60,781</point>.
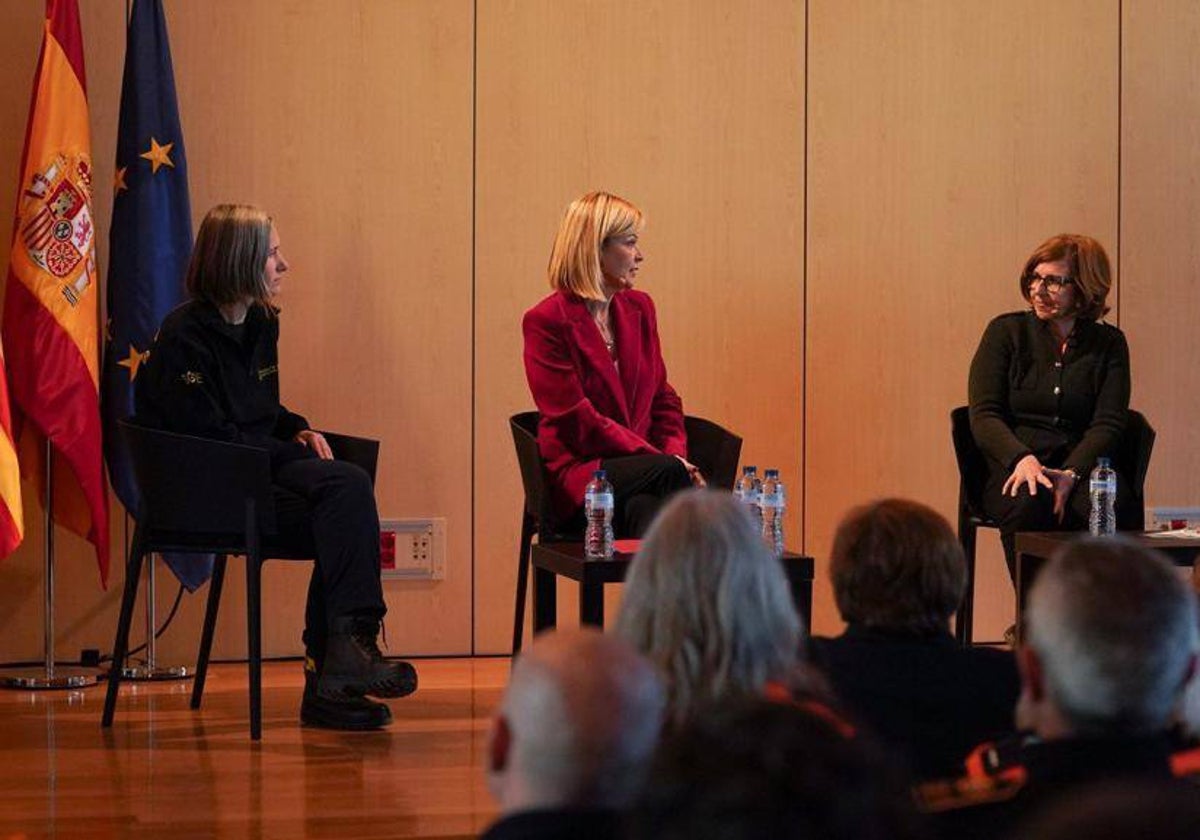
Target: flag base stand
<point>156,673</point>
<point>148,669</point>
<point>48,678</point>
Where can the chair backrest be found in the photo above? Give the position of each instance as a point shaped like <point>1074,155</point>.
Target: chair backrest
<point>524,428</point>
<point>972,468</point>
<point>1132,460</point>
<point>185,482</point>
<point>362,452</point>
<point>714,449</point>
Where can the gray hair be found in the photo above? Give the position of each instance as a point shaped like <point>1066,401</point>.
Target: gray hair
<point>586,713</point>
<point>1115,628</point>
<point>708,604</point>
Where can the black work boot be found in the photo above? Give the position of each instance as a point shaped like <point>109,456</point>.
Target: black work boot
<point>355,714</point>
<point>354,666</point>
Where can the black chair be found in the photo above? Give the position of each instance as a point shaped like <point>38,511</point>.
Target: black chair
<point>203,496</point>
<point>713,449</point>
<point>1132,460</point>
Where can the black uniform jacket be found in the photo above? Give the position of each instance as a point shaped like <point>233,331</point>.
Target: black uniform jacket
<point>923,695</point>
<point>1025,399</point>
<point>211,379</point>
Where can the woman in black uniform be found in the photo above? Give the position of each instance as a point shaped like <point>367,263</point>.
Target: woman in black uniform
<point>214,372</point>
<point>1049,392</point>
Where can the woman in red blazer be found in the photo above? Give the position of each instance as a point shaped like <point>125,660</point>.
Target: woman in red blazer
<point>596,371</point>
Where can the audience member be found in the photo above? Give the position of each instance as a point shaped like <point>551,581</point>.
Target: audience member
<point>708,604</point>
<point>758,769</point>
<point>1121,811</point>
<point>1111,644</point>
<point>898,576</point>
<point>573,737</point>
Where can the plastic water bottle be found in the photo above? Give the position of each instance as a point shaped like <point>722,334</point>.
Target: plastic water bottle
<point>1102,487</point>
<point>748,491</point>
<point>598,507</point>
<point>773,503</point>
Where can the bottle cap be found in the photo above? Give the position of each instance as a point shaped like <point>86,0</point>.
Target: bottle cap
<point>746,470</point>
<point>600,474</point>
<point>1103,462</point>
<point>772,473</point>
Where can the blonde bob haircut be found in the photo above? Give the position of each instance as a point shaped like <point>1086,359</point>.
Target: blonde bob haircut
<point>588,223</point>
<point>1090,271</point>
<point>708,604</point>
<point>229,259</point>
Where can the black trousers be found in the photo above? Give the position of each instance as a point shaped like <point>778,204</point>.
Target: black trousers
<point>326,509</point>
<point>1036,513</point>
<point>641,484</point>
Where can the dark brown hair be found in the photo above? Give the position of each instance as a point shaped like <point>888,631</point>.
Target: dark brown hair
<point>230,256</point>
<point>896,565</point>
<point>1089,270</point>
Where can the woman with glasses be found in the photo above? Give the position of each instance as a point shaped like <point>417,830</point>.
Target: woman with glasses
<point>1049,392</point>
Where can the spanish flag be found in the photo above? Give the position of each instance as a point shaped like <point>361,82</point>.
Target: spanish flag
<point>51,308</point>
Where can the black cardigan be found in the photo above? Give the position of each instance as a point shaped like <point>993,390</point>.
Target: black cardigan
<point>1025,399</point>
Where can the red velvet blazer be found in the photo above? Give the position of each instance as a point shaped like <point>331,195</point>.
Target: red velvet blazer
<point>589,411</point>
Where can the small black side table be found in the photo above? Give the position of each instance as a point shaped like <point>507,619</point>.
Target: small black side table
<point>566,559</point>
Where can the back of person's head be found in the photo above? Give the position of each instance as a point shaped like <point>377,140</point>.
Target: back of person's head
<point>230,255</point>
<point>897,565</point>
<point>578,724</point>
<point>1112,637</point>
<point>709,604</point>
<point>587,224</point>
<point>1129,809</point>
<point>757,768</point>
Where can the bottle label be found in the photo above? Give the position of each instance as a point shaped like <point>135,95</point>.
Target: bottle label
<point>602,501</point>
<point>1103,485</point>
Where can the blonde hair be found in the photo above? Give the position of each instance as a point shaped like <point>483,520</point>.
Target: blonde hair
<point>229,258</point>
<point>709,605</point>
<point>588,223</point>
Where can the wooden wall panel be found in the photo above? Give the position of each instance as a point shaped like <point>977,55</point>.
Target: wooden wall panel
<point>694,111</point>
<point>351,123</point>
<point>946,140</point>
<point>1160,253</point>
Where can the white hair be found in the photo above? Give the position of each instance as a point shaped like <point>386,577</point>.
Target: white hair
<point>1115,628</point>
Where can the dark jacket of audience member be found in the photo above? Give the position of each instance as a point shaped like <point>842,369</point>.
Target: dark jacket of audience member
<point>1110,646</point>
<point>754,769</point>
<point>898,575</point>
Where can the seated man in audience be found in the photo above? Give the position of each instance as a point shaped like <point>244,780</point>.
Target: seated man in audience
<point>573,737</point>
<point>898,575</point>
<point>1111,644</point>
<point>752,768</point>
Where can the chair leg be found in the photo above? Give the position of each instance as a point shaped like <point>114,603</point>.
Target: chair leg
<point>254,640</point>
<point>215,584</point>
<point>133,574</point>
<point>965,618</point>
<point>528,528</point>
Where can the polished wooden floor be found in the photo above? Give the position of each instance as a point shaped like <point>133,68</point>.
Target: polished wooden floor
<point>166,771</point>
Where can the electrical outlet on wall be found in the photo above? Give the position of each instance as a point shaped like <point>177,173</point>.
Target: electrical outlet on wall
<point>1173,518</point>
<point>412,549</point>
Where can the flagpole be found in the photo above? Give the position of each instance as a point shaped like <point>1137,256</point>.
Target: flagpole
<point>50,676</point>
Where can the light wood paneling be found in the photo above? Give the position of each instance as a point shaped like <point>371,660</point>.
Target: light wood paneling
<point>947,140</point>
<point>693,111</point>
<point>351,123</point>
<point>1160,217</point>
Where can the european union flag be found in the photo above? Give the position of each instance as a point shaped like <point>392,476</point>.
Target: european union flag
<point>150,240</point>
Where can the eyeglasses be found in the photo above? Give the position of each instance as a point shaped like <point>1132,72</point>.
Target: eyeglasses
<point>1052,283</point>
